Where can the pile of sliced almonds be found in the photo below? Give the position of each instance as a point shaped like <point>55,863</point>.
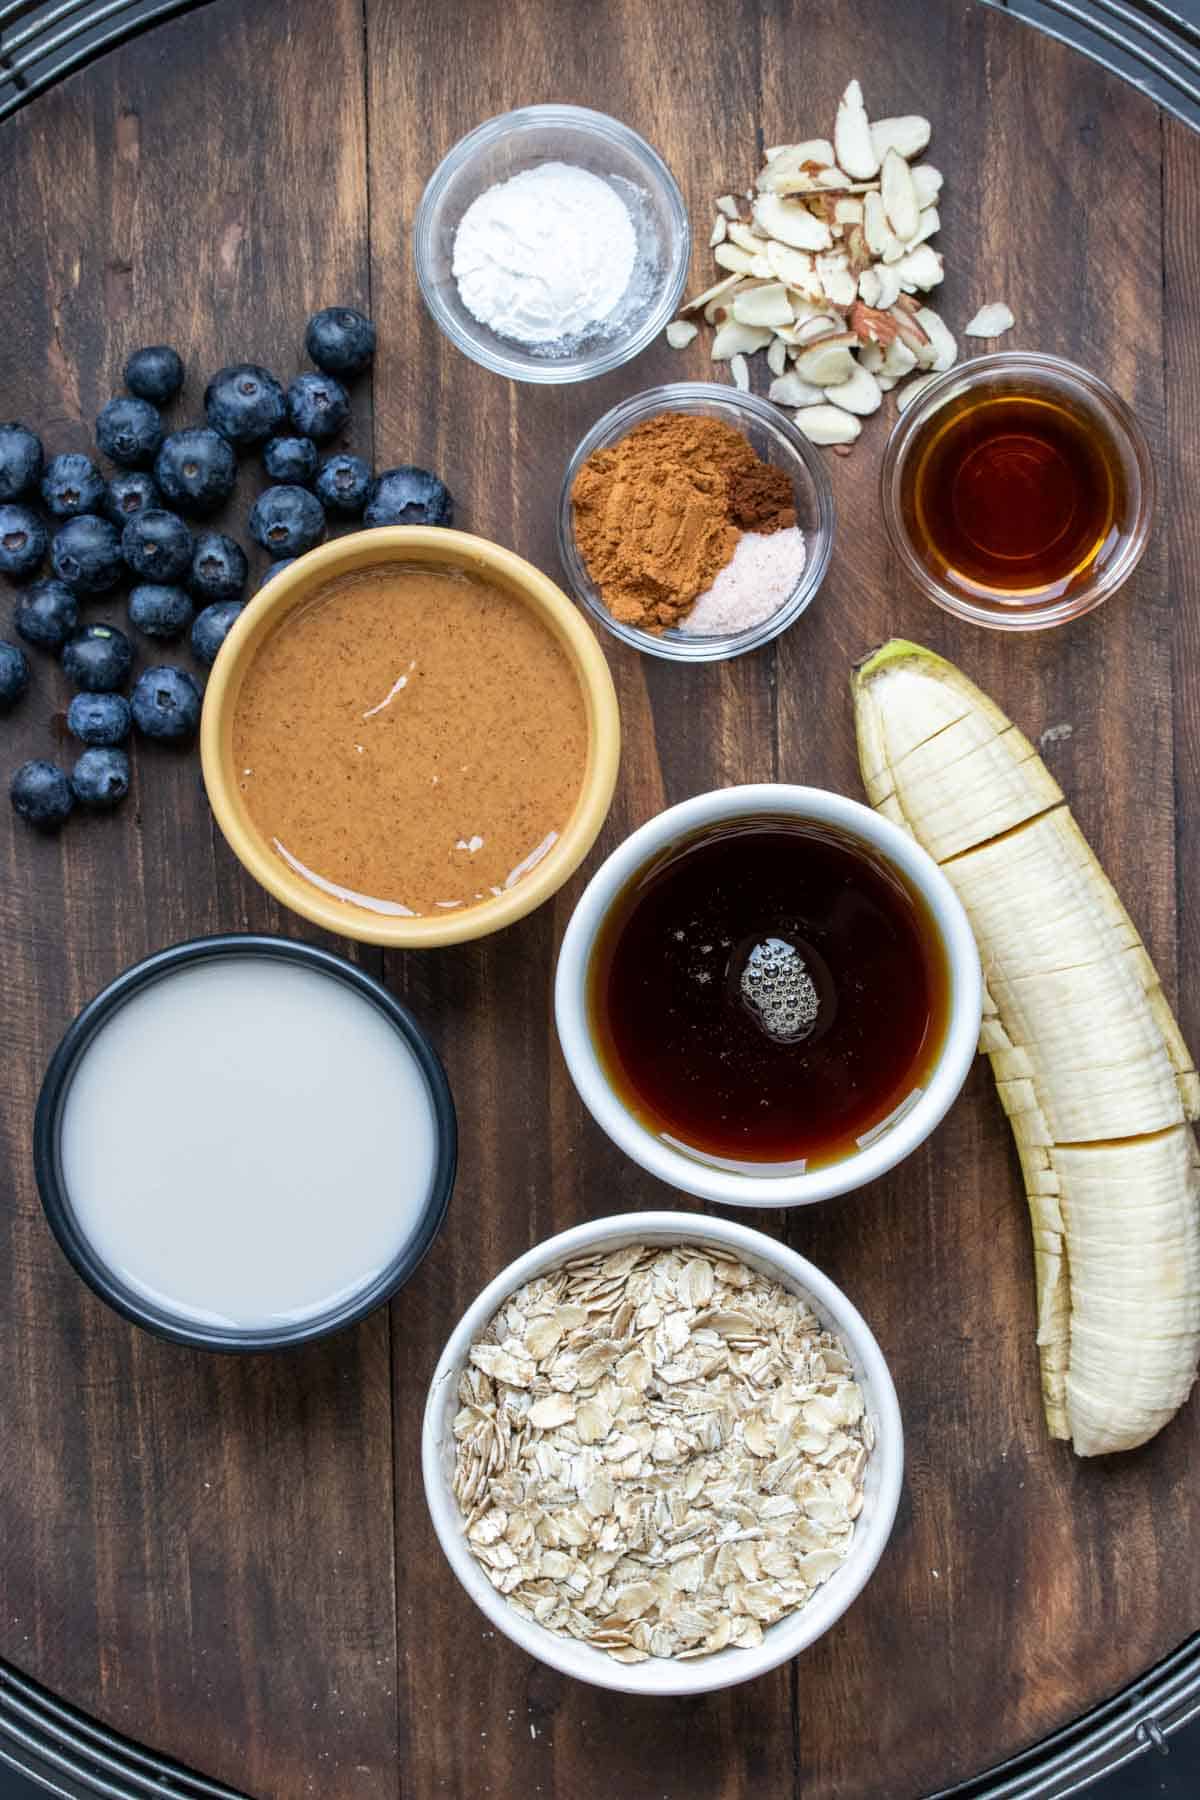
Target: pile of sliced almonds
<point>828,272</point>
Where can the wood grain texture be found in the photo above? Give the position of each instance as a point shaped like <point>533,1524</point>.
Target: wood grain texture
<point>232,1560</point>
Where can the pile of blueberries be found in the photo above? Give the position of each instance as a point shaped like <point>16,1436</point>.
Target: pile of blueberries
<point>132,528</point>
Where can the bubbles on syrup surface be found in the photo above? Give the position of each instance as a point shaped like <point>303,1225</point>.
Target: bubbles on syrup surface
<point>780,992</point>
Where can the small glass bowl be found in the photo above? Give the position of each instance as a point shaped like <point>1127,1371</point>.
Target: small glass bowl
<point>503,147</point>
<point>777,441</point>
<point>1094,403</point>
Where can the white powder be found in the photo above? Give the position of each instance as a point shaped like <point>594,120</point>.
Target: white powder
<point>545,255</point>
<point>761,575</point>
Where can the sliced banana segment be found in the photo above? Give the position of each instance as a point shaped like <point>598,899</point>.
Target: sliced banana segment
<point>1090,1064</point>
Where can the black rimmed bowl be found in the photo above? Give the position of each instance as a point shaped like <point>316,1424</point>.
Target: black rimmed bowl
<point>182,1327</point>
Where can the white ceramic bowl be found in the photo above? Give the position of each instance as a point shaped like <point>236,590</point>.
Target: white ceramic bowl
<point>731,1187</point>
<point>884,1471</point>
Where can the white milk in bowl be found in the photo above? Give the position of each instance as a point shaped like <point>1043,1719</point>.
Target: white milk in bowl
<point>248,1142</point>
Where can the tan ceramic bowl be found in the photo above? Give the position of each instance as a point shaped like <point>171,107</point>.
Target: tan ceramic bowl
<point>297,584</point>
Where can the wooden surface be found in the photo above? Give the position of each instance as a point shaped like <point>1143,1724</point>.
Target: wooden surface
<point>231,1559</point>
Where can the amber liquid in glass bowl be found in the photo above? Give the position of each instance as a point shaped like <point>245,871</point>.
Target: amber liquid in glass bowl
<point>1013,498</point>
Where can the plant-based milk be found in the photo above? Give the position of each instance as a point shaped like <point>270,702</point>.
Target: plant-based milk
<point>247,1142</point>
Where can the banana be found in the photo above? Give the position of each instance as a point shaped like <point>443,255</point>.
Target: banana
<point>1089,1062</point>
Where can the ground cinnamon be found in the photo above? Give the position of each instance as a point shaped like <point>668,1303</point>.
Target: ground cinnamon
<point>660,513</point>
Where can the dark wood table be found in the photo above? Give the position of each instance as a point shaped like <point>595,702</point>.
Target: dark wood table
<point>230,1559</point>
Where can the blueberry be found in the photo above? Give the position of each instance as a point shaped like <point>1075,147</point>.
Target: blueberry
<point>14,674</point>
<point>291,459</point>
<point>166,703</point>
<point>343,483</point>
<point>46,614</point>
<point>23,540</point>
<point>286,521</point>
<point>130,492</point>
<point>340,340</point>
<point>318,405</point>
<point>129,431</point>
<point>86,554</point>
<point>211,629</point>
<point>159,612</point>
<point>155,373</point>
<point>195,470</point>
<point>273,569</point>
<point>72,484</point>
<point>97,659</point>
<point>99,718</point>
<point>157,545</point>
<point>408,496</point>
<point>219,568</point>
<point>41,795</point>
<point>101,778</point>
<point>20,461</point>
<point>244,403</point>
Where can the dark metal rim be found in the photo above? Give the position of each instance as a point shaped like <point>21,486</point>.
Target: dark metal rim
<point>47,1158</point>
<point>71,1756</point>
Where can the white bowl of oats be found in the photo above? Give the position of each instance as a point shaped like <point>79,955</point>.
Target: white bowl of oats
<point>662,1453</point>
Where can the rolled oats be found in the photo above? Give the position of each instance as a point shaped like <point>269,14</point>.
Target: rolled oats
<point>658,1452</point>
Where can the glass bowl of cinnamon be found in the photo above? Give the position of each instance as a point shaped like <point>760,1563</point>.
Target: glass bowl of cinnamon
<point>695,522</point>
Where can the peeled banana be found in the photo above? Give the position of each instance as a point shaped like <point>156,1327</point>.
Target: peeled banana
<point>1090,1064</point>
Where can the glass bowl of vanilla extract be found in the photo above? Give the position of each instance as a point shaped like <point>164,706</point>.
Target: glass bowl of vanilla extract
<point>1018,491</point>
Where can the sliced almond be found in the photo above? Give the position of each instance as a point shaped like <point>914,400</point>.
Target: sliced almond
<point>838,282</point>
<point>739,368</point>
<point>912,333</point>
<point>736,339</point>
<point>795,267</point>
<point>990,321</point>
<point>813,181</point>
<point>857,253</point>
<point>717,234</point>
<point>852,136</point>
<point>739,233</point>
<point>886,382</point>
<point>875,225</point>
<point>767,305</point>
<point>868,287</point>
<point>893,249</point>
<point>791,223</point>
<point>911,389</point>
<point>908,135</point>
<point>729,206</point>
<point>930,222</point>
<point>848,209</point>
<point>827,424</point>
<point>680,333</point>
<point>898,358</point>
<point>870,325</point>
<point>812,150</point>
<point>820,325</point>
<point>941,339</point>
<point>927,181</point>
<point>859,393</point>
<point>899,196</point>
<point>724,286</point>
<point>827,362</point>
<point>717,311</point>
<point>732,256</point>
<point>777,356</point>
<point>871,357</point>
<point>921,268</point>
<point>792,390</point>
<point>889,285</point>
